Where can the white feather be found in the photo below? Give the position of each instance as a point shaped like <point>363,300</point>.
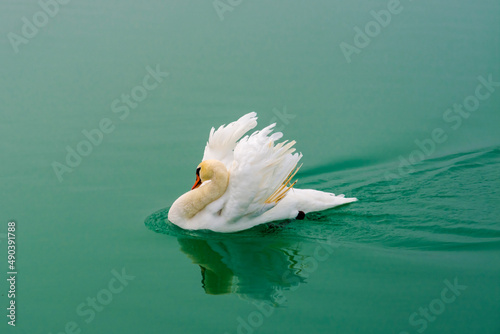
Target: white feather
<point>257,167</point>
<point>221,143</point>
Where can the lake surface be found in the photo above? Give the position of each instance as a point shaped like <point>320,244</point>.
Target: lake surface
<point>106,108</point>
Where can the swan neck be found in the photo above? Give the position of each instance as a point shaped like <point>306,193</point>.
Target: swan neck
<point>196,200</point>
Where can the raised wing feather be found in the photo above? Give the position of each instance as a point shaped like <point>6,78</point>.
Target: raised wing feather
<point>222,141</point>
<point>259,170</point>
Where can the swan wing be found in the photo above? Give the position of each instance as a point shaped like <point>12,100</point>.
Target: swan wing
<point>222,142</point>
<point>260,174</point>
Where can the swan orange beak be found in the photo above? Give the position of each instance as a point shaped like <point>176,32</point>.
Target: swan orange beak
<point>197,183</point>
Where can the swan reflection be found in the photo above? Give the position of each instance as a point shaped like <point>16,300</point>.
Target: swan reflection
<point>255,269</point>
<point>257,264</point>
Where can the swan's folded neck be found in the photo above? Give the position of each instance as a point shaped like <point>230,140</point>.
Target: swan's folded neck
<point>192,202</point>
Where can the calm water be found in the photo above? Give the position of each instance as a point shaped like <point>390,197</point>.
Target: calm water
<point>370,111</point>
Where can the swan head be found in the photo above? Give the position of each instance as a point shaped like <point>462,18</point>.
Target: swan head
<point>208,170</point>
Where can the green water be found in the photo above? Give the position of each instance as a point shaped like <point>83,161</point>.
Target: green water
<point>420,251</point>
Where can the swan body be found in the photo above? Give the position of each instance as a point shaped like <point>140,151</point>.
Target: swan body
<point>244,182</point>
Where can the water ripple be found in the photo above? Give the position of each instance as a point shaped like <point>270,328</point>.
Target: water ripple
<point>447,202</point>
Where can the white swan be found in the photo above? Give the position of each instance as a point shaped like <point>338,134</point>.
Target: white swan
<point>241,184</point>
